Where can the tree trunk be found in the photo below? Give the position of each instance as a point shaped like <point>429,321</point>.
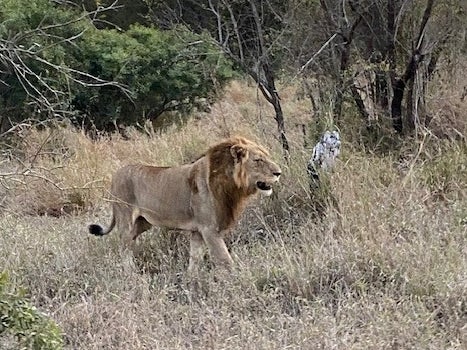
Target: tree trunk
<point>279,117</point>
<point>269,88</point>
<point>347,33</point>
<point>410,106</point>
<point>399,88</point>
<point>270,93</point>
<point>399,85</point>
<point>396,105</point>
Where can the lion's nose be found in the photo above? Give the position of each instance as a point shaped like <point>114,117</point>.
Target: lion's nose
<point>277,173</point>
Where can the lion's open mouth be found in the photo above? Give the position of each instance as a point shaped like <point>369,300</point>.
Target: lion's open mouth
<point>263,186</point>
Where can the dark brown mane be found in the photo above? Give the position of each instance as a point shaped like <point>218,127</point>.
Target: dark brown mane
<point>230,198</point>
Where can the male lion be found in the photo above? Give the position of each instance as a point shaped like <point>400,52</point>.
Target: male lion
<point>205,197</point>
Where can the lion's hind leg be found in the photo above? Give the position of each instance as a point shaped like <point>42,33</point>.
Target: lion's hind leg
<point>140,225</point>
<point>136,226</point>
<point>123,215</point>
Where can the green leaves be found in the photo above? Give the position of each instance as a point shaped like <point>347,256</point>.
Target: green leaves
<point>57,63</point>
<point>164,71</point>
<point>36,42</point>
<point>31,328</point>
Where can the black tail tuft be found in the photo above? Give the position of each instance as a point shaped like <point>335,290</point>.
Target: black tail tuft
<point>96,230</point>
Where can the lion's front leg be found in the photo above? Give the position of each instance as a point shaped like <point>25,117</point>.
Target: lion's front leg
<point>217,248</point>
<point>196,251</point>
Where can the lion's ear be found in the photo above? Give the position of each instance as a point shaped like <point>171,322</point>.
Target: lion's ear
<point>239,153</point>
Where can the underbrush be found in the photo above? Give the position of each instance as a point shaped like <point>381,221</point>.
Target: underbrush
<point>364,283</point>
<point>380,265</point>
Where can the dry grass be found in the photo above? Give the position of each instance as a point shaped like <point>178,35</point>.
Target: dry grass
<point>387,269</point>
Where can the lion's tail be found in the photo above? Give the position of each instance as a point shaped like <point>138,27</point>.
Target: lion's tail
<point>97,230</point>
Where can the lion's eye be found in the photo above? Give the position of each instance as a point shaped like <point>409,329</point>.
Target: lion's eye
<point>258,160</point>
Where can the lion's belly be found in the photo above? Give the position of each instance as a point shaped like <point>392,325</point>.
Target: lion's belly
<point>162,212</point>
<point>188,226</point>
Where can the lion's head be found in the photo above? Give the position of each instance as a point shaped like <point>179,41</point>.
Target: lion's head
<point>247,163</point>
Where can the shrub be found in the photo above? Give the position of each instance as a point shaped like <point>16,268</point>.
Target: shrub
<point>163,71</point>
<point>19,318</point>
<point>57,63</point>
<point>35,58</point>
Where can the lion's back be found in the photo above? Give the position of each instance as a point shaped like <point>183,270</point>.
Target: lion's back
<point>158,188</point>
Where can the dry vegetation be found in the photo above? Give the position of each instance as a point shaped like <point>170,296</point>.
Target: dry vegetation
<point>386,269</point>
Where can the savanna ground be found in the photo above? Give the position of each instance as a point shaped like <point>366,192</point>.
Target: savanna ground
<point>382,267</point>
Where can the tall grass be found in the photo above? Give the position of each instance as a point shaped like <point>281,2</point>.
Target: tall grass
<point>383,267</point>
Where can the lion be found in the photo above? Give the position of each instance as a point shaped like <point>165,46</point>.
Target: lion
<point>205,197</point>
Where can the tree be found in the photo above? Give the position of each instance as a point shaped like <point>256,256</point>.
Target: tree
<point>383,53</point>
<point>162,70</point>
<point>37,71</point>
<point>55,63</point>
<point>247,31</point>
<point>122,16</point>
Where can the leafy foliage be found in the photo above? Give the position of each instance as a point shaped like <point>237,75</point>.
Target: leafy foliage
<point>32,329</point>
<point>33,52</point>
<point>55,62</point>
<point>163,70</point>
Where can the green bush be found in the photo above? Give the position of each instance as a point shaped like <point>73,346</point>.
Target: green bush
<point>163,71</point>
<point>35,57</point>
<point>57,63</point>
<point>32,329</point>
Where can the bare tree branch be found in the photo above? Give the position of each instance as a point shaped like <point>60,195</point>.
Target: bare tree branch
<point>302,68</point>
<point>19,61</point>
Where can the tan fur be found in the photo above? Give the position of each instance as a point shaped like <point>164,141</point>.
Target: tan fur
<point>205,197</point>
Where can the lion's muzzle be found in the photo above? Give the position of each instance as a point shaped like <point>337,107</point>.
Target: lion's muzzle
<point>263,186</point>
<point>266,187</point>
